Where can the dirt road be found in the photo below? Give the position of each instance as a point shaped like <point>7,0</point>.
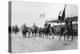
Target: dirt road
<point>37,44</point>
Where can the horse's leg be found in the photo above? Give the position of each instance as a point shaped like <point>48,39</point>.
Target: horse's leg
<point>64,36</point>
<point>43,34</point>
<point>28,34</point>
<point>49,35</point>
<point>32,34</point>
<point>46,35</point>
<point>39,34</point>
<point>67,37</point>
<point>72,36</point>
<point>35,34</point>
<point>15,32</point>
<point>52,36</point>
<point>25,35</point>
<point>60,37</point>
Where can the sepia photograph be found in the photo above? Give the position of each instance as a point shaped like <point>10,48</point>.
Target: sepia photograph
<point>37,27</point>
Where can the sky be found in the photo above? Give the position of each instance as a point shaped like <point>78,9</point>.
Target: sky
<point>38,13</point>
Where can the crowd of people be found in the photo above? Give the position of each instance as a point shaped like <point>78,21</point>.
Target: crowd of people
<point>66,30</point>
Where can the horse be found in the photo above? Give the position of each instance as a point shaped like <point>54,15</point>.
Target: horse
<point>34,31</point>
<point>47,31</point>
<point>29,31</point>
<point>62,30</point>
<point>41,32</point>
<point>15,29</point>
<point>24,31</point>
<point>52,31</point>
<point>67,30</point>
<point>70,32</point>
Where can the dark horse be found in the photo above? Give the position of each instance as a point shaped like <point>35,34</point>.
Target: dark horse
<point>70,30</point>
<point>48,30</point>
<point>41,32</point>
<point>34,31</point>
<point>67,30</point>
<point>62,30</point>
<point>27,31</point>
<point>24,31</point>
<point>15,29</point>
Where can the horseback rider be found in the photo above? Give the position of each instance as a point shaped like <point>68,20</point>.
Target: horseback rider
<point>16,29</point>
<point>62,29</point>
<point>34,30</point>
<point>69,29</point>
<point>24,30</point>
<point>47,29</point>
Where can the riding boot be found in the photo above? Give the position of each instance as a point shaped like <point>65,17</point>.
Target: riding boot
<point>72,38</point>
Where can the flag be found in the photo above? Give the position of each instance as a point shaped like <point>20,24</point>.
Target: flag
<point>61,18</point>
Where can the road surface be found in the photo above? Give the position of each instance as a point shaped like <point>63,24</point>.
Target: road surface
<point>37,44</point>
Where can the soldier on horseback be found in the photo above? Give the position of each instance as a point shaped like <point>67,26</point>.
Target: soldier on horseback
<point>47,29</point>
<point>24,30</point>
<point>34,30</point>
<point>16,29</point>
<point>69,29</point>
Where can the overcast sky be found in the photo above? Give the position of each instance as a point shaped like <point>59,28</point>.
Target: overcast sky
<point>32,12</point>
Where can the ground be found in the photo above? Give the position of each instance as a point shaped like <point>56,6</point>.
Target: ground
<point>37,44</point>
